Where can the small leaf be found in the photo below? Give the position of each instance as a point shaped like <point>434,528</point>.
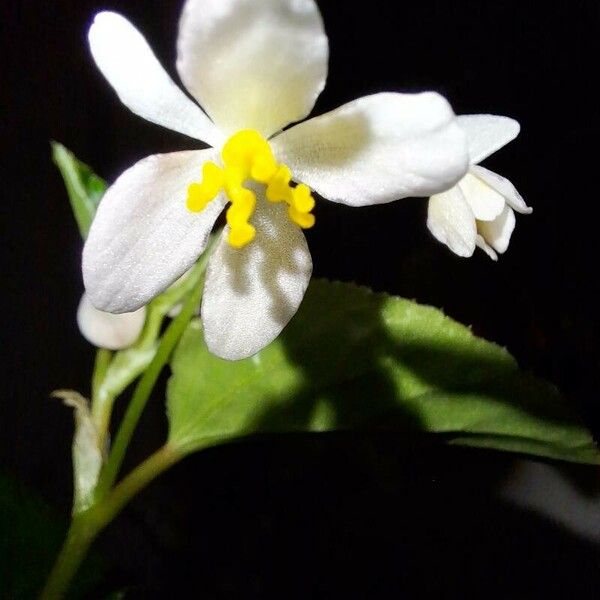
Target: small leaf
<point>355,360</point>
<point>87,454</point>
<point>85,189</point>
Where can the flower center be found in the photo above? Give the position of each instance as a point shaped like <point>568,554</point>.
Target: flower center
<point>247,156</point>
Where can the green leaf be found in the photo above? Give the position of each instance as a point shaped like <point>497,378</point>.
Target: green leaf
<point>84,187</point>
<point>355,360</point>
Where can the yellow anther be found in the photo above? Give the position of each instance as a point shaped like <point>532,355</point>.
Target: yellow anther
<point>263,168</point>
<point>248,156</point>
<point>242,235</point>
<point>243,148</point>
<point>305,220</point>
<point>233,185</point>
<point>200,194</point>
<point>278,189</point>
<point>241,209</point>
<point>302,199</point>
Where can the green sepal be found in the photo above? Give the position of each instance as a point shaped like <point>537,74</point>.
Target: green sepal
<point>84,187</point>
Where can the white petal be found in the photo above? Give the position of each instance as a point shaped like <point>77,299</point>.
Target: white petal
<point>252,293</point>
<point>127,61</point>
<point>106,330</point>
<point>451,221</point>
<point>253,64</point>
<point>143,237</point>
<point>487,133</point>
<point>497,232</point>
<point>503,186</point>
<point>377,149</point>
<point>481,243</point>
<point>485,202</point>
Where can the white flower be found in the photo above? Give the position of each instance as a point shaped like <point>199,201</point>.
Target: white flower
<point>255,67</point>
<point>479,210</point>
<point>107,330</point>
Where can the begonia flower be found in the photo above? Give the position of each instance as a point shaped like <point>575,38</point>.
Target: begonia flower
<point>255,67</point>
<point>479,210</point>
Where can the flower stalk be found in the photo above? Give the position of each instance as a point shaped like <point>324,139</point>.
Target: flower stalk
<point>144,389</point>
<point>86,526</point>
<point>108,500</point>
<point>113,373</point>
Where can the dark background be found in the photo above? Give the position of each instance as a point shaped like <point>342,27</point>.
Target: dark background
<point>363,516</point>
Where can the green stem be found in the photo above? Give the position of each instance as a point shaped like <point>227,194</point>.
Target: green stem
<point>86,526</point>
<point>108,503</point>
<point>137,480</point>
<point>68,561</point>
<point>99,395</point>
<point>103,358</point>
<point>143,390</point>
<point>125,367</point>
<point>113,377</point>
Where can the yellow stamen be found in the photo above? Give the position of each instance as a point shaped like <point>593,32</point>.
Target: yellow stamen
<point>302,199</point>
<point>305,220</point>
<point>200,194</point>
<point>248,156</point>
<point>241,235</point>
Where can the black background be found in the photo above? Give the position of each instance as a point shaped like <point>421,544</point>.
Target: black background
<point>367,516</point>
